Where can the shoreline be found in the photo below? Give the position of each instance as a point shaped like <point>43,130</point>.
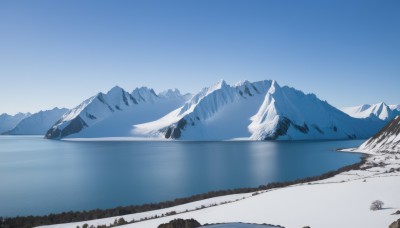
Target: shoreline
<point>343,200</point>
<point>81,216</point>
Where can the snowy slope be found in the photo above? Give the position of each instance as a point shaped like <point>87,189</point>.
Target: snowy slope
<point>380,110</point>
<point>386,140</point>
<point>114,113</point>
<point>257,111</point>
<point>287,113</point>
<point>8,122</point>
<point>38,123</point>
<point>210,114</point>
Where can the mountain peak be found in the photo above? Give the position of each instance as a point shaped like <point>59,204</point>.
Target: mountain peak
<point>38,123</point>
<point>380,110</point>
<point>380,105</point>
<point>220,84</point>
<point>364,107</point>
<point>242,83</point>
<point>144,90</point>
<point>395,107</point>
<point>275,87</point>
<point>171,93</point>
<point>8,122</point>
<point>275,83</point>
<point>115,89</point>
<point>144,94</point>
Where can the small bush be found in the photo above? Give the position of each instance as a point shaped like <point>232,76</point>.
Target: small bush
<point>170,213</point>
<point>121,221</point>
<point>376,205</point>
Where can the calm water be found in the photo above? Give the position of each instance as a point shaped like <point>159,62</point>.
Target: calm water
<point>39,176</point>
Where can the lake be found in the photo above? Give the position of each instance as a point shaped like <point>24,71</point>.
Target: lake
<point>40,176</point>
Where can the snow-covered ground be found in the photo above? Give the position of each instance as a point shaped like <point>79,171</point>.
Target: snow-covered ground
<point>238,225</point>
<point>341,201</point>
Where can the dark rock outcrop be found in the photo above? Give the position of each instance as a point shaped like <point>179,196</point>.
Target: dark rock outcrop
<point>281,129</point>
<point>75,126</point>
<point>395,224</point>
<point>392,128</point>
<point>180,223</point>
<point>386,140</point>
<point>174,132</point>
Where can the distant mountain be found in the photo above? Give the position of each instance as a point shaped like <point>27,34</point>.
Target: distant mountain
<point>395,107</point>
<point>386,140</point>
<point>113,114</point>
<point>8,122</point>
<point>37,123</point>
<point>380,110</point>
<point>257,111</point>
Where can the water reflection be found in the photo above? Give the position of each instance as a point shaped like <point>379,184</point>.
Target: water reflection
<point>41,176</point>
<point>262,161</point>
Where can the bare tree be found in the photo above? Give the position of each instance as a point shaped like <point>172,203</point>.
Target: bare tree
<point>376,205</point>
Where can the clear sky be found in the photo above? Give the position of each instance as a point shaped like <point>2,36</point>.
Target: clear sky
<point>57,53</point>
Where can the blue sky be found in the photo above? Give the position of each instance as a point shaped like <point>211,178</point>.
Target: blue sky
<point>57,53</point>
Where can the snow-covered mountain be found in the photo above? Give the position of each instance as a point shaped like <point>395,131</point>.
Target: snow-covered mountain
<point>380,110</point>
<point>386,140</point>
<point>37,123</point>
<point>258,111</point>
<point>8,122</point>
<point>395,107</point>
<point>113,114</point>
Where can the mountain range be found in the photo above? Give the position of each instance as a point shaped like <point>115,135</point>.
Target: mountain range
<point>261,110</point>
<point>30,124</point>
<point>257,111</point>
<point>37,123</point>
<point>380,110</point>
<point>8,122</point>
<point>395,107</point>
<point>113,114</point>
